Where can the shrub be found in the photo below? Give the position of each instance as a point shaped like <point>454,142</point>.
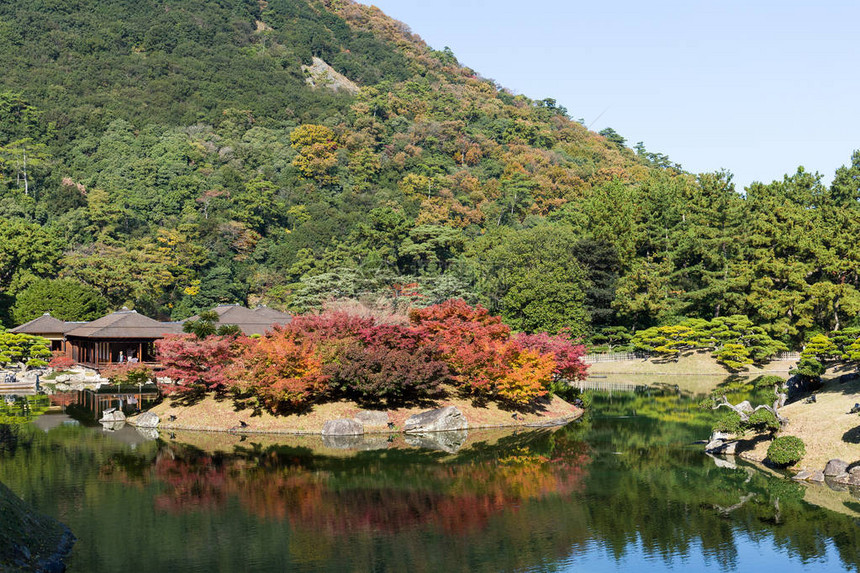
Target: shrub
<point>729,423</point>
<point>768,381</point>
<point>61,362</point>
<point>470,340</point>
<point>762,420</point>
<point>283,372</point>
<point>566,354</point>
<point>195,364</point>
<point>328,326</point>
<point>809,368</point>
<point>528,376</point>
<point>378,372</point>
<point>786,450</point>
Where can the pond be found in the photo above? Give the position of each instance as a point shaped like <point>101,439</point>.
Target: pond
<point>624,489</point>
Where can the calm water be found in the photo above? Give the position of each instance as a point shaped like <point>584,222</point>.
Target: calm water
<point>622,490</point>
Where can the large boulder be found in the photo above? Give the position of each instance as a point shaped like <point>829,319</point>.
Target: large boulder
<point>342,427</point>
<point>849,477</point>
<point>439,420</point>
<point>146,420</point>
<point>835,468</point>
<point>112,415</point>
<point>809,475</point>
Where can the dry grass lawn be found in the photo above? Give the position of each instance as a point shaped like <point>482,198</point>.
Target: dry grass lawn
<point>214,415</point>
<point>825,427</point>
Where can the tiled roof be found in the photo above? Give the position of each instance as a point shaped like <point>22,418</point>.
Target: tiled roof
<point>257,321</point>
<point>45,325</point>
<point>125,324</point>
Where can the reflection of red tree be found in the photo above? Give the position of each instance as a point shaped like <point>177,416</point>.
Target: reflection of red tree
<point>453,498</point>
<point>197,485</point>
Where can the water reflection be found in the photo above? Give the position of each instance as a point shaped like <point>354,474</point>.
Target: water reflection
<point>623,488</point>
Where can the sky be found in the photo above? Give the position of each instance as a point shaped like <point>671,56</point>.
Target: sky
<point>755,87</point>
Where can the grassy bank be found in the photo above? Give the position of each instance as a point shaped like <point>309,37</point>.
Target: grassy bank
<point>825,426</point>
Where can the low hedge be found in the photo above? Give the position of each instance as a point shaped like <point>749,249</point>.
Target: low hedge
<point>786,450</point>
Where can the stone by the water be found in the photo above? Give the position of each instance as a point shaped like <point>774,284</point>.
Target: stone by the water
<point>439,420</point>
<point>112,416</point>
<point>802,475</point>
<point>835,467</point>
<point>146,420</point>
<point>721,447</point>
<point>342,427</point>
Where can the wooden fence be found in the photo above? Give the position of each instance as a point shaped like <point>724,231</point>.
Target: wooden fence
<point>614,357</point>
<point>620,356</point>
<point>598,385</point>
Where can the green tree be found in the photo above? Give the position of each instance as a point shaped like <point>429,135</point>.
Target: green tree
<point>32,351</point>
<point>65,299</point>
<point>533,278</point>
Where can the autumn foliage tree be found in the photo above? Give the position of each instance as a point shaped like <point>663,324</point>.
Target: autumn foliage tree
<point>446,347</point>
<point>197,365</point>
<point>389,363</point>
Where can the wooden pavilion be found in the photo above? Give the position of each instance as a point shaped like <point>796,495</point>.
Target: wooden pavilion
<point>48,327</point>
<point>122,336</point>
<point>257,321</point>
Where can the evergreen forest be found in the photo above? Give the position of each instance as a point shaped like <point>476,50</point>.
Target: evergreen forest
<point>172,155</point>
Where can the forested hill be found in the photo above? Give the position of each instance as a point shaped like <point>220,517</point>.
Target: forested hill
<point>173,155</point>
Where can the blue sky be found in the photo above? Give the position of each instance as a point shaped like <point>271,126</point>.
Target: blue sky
<point>756,87</point>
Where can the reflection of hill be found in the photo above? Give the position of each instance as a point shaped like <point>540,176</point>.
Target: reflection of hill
<point>631,485</point>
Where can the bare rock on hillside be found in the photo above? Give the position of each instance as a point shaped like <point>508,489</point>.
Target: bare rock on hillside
<point>321,75</point>
<point>722,447</point>
<point>145,420</point>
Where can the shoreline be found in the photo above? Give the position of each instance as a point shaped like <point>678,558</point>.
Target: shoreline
<point>219,416</point>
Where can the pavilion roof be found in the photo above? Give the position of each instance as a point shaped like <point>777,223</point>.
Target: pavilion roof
<point>45,325</point>
<point>257,321</point>
<point>125,324</point>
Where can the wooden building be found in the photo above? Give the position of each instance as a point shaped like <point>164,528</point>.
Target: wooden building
<point>126,336</point>
<point>48,327</point>
<point>122,336</point>
<point>257,321</point>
